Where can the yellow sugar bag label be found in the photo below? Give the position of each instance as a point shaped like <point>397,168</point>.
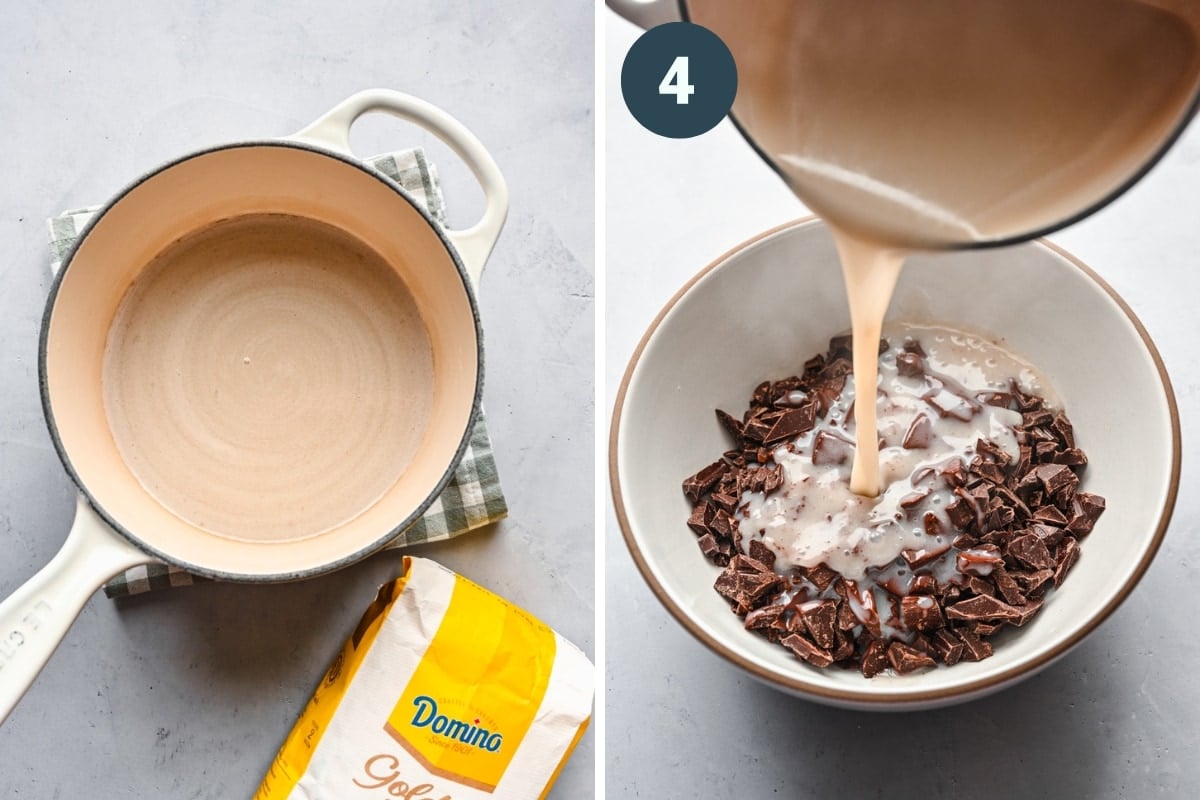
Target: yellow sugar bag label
<point>445,691</point>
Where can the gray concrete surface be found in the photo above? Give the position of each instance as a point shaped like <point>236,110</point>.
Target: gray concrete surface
<point>188,693</point>
<point>1117,718</point>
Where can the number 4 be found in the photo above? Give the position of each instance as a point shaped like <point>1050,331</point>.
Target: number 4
<point>676,81</point>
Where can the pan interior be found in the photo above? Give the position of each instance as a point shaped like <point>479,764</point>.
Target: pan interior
<point>363,362</point>
<point>268,377</point>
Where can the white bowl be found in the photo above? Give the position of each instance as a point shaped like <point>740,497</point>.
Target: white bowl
<point>760,310</point>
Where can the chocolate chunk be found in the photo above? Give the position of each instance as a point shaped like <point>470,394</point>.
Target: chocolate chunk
<point>874,659</point>
<point>1027,612</point>
<point>829,448</point>
<point>985,628</point>
<point>762,394</point>
<point>965,541</point>
<point>1045,452</point>
<point>1050,515</point>
<point>923,643</point>
<point>905,659</point>
<point>861,602</point>
<point>695,486</point>
<point>1088,508</point>
<point>821,621</point>
<point>722,524</point>
<point>764,617</point>
<point>731,424</point>
<point>1036,419</point>
<point>961,514</point>
<point>997,399</point>
<point>933,526</point>
<point>708,546</point>
<point>821,576</point>
<point>725,502</point>
<point>977,585</point>
<point>1063,429</point>
<point>759,551</point>
<point>845,617</point>
<point>745,582</point>
<point>843,647</point>
<point>982,608</point>
<point>792,423</point>
<point>701,518</point>
<point>1067,555</point>
<point>1030,582</point>
<point>949,648</point>
<point>926,555</point>
<point>910,365</point>
<point>920,613</point>
<point>914,498</point>
<point>992,473</point>
<point>1007,586</point>
<point>920,433</point>
<point>913,346</point>
<point>992,453</point>
<point>814,365</point>
<point>1071,458</point>
<point>774,479</point>
<point>974,648</point>
<point>755,429</point>
<point>1055,477</point>
<point>807,651</point>
<point>1031,551</point>
<point>923,584</point>
<point>953,472</point>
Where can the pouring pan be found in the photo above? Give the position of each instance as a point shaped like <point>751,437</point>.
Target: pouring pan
<point>128,514</point>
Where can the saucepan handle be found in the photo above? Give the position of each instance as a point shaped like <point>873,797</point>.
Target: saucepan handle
<point>473,244</point>
<point>35,618</point>
<point>646,13</point>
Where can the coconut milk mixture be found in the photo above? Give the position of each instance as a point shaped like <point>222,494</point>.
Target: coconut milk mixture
<point>909,125</point>
<point>268,377</point>
<point>815,518</point>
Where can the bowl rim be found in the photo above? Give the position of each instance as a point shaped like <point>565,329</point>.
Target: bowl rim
<point>896,698</point>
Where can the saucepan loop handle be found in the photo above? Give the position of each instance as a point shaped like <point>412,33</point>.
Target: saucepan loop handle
<point>474,244</point>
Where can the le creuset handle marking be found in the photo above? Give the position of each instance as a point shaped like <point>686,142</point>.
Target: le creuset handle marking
<point>646,13</point>
<point>473,244</point>
<point>35,618</point>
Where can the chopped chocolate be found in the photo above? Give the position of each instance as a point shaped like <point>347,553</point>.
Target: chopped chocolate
<point>874,658</point>
<point>1031,550</point>
<point>1014,523</point>
<point>982,608</point>
<point>761,553</point>
<point>926,555</point>
<point>1030,582</point>
<point>961,514</point>
<point>910,365</point>
<point>708,546</point>
<point>923,584</point>
<point>821,621</point>
<point>731,424</point>
<point>1027,611</point>
<point>845,617</point>
<point>1088,508</point>
<point>919,434</point>
<point>920,613</point>
<point>821,576</point>
<point>705,479</point>
<point>1008,588</point>
<point>807,651</point>
<point>1063,429</point>
<point>914,498</point>
<point>974,648</point>
<point>792,423</point>
<point>764,617</point>
<point>1067,555</point>
<point>949,648</point>
<point>979,560</point>
<point>829,448</point>
<point>905,659</point>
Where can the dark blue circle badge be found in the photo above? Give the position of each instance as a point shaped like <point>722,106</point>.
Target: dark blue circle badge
<point>679,80</point>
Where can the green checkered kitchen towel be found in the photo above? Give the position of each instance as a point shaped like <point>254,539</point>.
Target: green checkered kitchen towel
<point>473,497</point>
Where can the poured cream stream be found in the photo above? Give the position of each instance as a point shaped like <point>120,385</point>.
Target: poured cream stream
<point>911,125</point>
